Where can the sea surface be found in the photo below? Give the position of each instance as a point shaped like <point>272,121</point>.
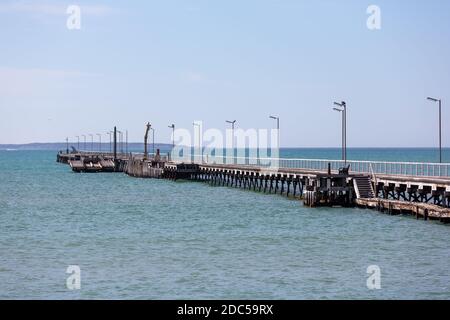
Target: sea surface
<point>157,239</point>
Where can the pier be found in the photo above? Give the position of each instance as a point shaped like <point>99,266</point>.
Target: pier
<point>418,189</point>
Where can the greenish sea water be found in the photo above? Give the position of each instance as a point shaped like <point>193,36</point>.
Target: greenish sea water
<point>157,239</point>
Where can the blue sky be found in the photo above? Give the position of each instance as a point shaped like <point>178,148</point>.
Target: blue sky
<point>179,61</point>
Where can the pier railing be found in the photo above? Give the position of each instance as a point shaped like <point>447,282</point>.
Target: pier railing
<point>417,169</point>
<point>102,153</point>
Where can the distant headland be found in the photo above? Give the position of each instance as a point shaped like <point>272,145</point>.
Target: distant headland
<point>51,146</point>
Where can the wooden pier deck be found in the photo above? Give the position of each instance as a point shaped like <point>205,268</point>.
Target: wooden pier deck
<point>93,162</point>
<point>395,207</point>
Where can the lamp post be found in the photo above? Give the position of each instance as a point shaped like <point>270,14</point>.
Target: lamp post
<point>67,145</point>
<point>126,141</point>
<point>109,133</point>
<point>342,130</point>
<point>78,143</point>
<point>100,141</point>
<point>232,137</point>
<point>172,126</point>
<point>343,105</point>
<point>199,138</point>
<point>84,137</point>
<point>92,141</point>
<point>120,140</point>
<point>153,140</point>
<point>278,129</point>
<point>440,125</point>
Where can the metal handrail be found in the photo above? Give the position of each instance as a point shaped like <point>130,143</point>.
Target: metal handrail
<point>418,169</point>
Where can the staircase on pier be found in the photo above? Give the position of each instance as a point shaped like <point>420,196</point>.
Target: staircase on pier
<point>363,187</point>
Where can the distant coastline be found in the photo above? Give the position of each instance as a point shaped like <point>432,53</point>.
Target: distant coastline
<point>55,146</point>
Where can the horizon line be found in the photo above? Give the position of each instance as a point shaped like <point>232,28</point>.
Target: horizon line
<point>290,147</point>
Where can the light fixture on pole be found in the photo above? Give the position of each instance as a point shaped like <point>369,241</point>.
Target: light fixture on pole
<point>120,140</point>
<point>172,126</point>
<point>232,137</point>
<point>199,139</point>
<point>92,141</point>
<point>153,140</point>
<point>126,141</point>
<point>343,105</point>
<point>440,125</point>
<point>84,137</point>
<point>342,130</point>
<point>109,133</point>
<point>100,141</point>
<point>278,129</point>
<point>78,143</point>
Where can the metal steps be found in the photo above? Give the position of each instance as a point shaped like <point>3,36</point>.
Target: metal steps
<point>363,187</point>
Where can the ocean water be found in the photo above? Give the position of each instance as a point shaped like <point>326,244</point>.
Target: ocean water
<point>157,239</point>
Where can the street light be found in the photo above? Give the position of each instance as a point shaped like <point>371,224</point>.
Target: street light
<point>342,130</point>
<point>278,129</point>
<point>92,141</point>
<point>120,140</point>
<point>109,133</point>
<point>100,141</point>
<point>67,145</point>
<point>78,143</point>
<point>232,136</point>
<point>84,136</point>
<point>232,123</point>
<point>153,140</point>
<point>173,135</point>
<point>199,138</point>
<point>440,125</point>
<point>343,105</point>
